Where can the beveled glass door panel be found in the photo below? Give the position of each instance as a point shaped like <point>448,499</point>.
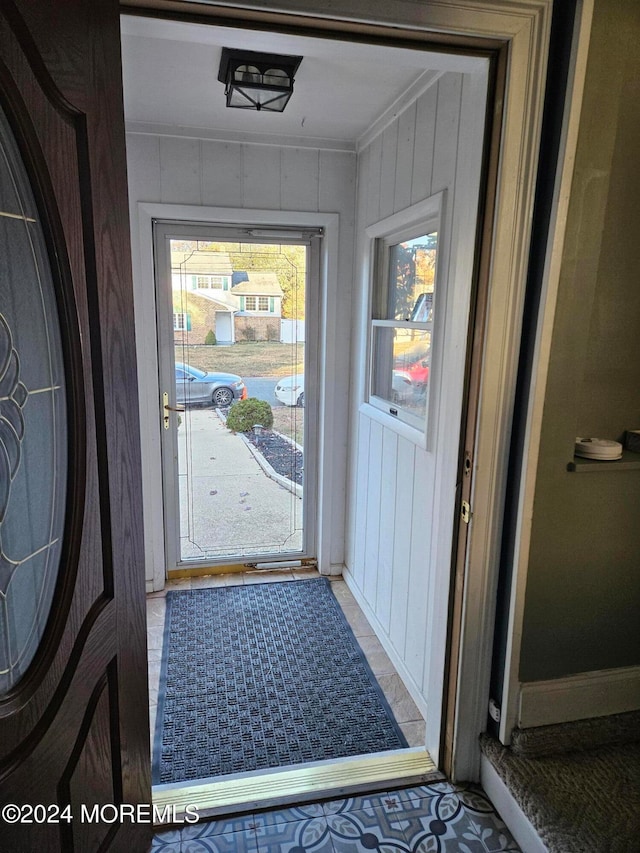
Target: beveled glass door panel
<point>33,426</point>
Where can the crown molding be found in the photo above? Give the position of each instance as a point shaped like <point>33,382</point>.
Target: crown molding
<point>145,128</point>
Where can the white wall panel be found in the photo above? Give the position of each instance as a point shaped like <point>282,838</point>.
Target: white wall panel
<point>180,170</point>
<point>373,509</point>
<point>143,167</point>
<point>241,175</point>
<point>261,177</point>
<point>369,182</point>
<point>389,528</point>
<point>359,498</point>
<point>222,173</point>
<point>423,145</point>
<point>388,169</point>
<point>419,564</point>
<point>394,551</point>
<point>404,172</point>
<point>402,545</point>
<point>300,174</point>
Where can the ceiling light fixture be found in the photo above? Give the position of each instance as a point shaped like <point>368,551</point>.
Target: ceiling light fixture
<point>257,81</point>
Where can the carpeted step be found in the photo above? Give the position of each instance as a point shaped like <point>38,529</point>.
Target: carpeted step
<point>583,801</point>
<point>579,735</point>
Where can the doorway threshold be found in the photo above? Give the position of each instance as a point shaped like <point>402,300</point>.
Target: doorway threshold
<point>241,792</point>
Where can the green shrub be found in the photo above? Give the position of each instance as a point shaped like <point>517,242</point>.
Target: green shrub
<point>245,413</point>
<point>210,338</point>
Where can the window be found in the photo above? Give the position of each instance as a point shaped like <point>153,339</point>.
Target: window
<point>403,300</point>
<point>181,322</point>
<point>256,303</point>
<point>209,282</point>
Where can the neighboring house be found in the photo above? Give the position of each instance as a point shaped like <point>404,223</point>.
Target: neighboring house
<point>259,300</point>
<point>195,315</point>
<point>249,304</point>
<point>205,272</point>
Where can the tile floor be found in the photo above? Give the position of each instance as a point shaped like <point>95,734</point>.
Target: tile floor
<point>435,818</point>
<point>404,708</point>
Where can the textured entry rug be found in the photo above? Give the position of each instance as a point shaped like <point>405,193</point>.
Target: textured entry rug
<point>263,675</point>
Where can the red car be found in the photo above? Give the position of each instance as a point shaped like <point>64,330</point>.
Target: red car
<point>419,372</point>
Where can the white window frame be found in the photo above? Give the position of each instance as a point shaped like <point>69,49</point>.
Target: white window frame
<point>176,321</point>
<point>423,218</point>
<point>209,282</point>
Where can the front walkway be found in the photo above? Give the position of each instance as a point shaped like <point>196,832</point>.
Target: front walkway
<point>228,505</point>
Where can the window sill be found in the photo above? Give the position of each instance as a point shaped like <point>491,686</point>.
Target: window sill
<point>415,436</point>
<point>630,462</point>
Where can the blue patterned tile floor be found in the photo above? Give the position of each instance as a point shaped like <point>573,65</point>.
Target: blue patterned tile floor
<point>435,818</point>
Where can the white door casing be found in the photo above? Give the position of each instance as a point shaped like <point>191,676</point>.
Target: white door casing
<point>146,336</point>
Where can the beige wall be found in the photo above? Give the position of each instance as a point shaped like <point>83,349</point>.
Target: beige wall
<point>582,609</point>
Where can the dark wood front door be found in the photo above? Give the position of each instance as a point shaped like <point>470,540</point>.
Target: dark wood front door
<point>73,689</point>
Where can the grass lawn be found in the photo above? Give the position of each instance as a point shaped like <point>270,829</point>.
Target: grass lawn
<point>247,358</point>
<point>289,422</point>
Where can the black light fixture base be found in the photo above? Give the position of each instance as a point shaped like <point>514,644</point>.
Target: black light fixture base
<point>257,81</point>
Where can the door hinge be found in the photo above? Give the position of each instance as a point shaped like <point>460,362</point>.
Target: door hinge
<point>465,512</point>
<point>494,710</point>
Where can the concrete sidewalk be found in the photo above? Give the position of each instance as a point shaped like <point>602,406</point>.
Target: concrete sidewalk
<point>229,507</point>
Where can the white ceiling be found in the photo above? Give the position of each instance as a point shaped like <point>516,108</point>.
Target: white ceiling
<point>341,90</point>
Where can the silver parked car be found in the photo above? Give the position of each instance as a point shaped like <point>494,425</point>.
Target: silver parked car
<point>197,386</point>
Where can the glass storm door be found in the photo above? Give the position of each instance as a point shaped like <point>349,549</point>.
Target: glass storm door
<point>236,350</point>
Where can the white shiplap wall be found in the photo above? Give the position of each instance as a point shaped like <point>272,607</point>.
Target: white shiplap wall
<point>172,170</point>
<point>393,549</point>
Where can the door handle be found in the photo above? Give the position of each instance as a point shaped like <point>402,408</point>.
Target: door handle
<point>167,409</point>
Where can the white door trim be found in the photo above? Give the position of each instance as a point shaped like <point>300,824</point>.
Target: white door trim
<point>146,337</point>
<point>511,685</point>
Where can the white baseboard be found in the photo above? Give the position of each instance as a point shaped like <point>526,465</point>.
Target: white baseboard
<point>578,697</point>
<point>396,660</point>
<point>517,822</point>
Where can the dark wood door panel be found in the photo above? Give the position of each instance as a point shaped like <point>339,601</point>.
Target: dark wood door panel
<point>76,725</point>
<point>50,131</point>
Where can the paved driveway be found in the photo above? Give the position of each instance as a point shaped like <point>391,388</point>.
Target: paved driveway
<point>262,388</point>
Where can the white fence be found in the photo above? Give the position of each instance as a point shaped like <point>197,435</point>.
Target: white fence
<point>292,331</point>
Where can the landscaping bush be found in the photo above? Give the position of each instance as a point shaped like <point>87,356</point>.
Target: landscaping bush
<point>245,413</point>
<point>210,338</point>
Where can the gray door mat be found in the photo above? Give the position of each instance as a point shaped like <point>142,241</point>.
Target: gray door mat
<point>263,676</point>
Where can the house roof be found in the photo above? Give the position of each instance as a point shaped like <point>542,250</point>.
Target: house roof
<point>201,263</point>
<point>259,284</point>
<point>218,303</point>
